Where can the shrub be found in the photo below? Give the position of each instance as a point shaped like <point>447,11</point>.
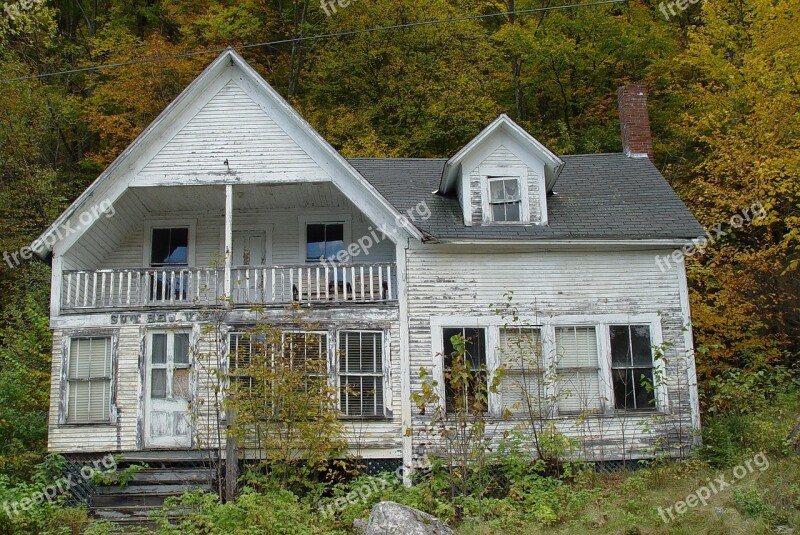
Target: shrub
<point>275,512</point>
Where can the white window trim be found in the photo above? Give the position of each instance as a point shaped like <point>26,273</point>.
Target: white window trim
<point>385,371</point>
<point>549,388</point>
<point>521,174</point>
<point>489,323</point>
<point>332,217</point>
<point>332,362</point>
<point>600,322</point>
<point>63,407</point>
<point>169,348</point>
<point>151,224</point>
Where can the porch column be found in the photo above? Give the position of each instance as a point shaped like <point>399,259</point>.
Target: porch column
<point>228,241</point>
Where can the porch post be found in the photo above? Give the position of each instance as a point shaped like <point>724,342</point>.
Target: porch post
<point>228,241</point>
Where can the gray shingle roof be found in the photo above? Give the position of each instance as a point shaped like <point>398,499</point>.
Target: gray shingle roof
<point>597,196</point>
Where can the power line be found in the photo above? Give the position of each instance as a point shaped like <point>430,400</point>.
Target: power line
<point>309,38</point>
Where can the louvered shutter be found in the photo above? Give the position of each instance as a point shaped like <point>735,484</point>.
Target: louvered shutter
<point>89,380</point>
<point>577,370</point>
<point>522,389</point>
<point>361,373</point>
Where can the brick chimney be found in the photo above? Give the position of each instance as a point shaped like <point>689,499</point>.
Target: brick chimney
<point>637,142</point>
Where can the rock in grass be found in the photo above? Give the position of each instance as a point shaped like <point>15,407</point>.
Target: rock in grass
<point>390,518</point>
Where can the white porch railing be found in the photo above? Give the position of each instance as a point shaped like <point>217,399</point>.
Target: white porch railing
<point>258,285</point>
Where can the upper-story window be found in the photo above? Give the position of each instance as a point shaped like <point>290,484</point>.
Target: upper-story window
<point>169,247</point>
<point>324,241</point>
<point>505,199</point>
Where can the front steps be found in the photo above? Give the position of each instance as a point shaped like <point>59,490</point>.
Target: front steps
<point>169,473</point>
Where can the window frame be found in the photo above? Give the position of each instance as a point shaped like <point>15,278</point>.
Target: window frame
<point>598,369</point>
<point>489,174</point>
<point>318,219</point>
<point>489,324</point>
<point>169,343</point>
<point>632,367</point>
<point>385,374</point>
<point>152,224</point>
<point>547,327</point>
<point>545,386</point>
<point>63,403</point>
<point>332,361</point>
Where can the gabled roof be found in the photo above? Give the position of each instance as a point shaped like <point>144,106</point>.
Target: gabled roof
<point>118,175</point>
<point>598,197</point>
<point>552,163</point>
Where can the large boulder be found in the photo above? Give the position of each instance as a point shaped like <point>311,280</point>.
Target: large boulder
<point>390,518</point>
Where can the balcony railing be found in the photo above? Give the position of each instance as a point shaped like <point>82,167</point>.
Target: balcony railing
<point>252,285</point>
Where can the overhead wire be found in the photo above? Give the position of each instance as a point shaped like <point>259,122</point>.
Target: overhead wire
<point>183,55</point>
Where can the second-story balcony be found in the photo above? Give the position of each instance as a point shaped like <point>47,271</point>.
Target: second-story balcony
<point>187,287</point>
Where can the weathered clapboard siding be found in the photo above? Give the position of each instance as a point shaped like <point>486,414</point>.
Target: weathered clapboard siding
<point>502,157</point>
<point>233,127</point>
<point>119,436</point>
<point>106,233</point>
<point>463,281</point>
<point>380,438</point>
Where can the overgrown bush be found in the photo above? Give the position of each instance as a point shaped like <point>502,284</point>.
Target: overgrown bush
<point>730,437</point>
<point>274,512</point>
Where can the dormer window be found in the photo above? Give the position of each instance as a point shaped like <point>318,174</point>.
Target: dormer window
<point>504,195</point>
<point>505,199</point>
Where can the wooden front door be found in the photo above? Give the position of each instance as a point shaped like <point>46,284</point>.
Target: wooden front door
<point>168,390</point>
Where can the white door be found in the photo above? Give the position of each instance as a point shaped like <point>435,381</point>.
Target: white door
<point>168,390</point>
<point>249,250</point>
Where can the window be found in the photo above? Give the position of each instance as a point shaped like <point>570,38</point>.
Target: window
<point>324,241</point>
<point>361,373</point>
<point>243,347</point>
<point>169,247</point>
<point>632,367</point>
<point>475,360</point>
<point>577,370</point>
<point>505,199</point>
<point>307,352</point>
<point>169,366</point>
<point>522,389</point>
<point>304,352</point>
<point>89,380</point>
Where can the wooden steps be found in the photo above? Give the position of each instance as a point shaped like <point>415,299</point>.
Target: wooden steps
<point>169,473</point>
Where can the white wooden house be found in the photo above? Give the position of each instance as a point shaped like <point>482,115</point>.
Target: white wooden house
<point>229,199</point>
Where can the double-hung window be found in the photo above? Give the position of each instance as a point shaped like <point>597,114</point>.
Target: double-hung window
<point>89,372</point>
<point>324,241</point>
<point>632,367</point>
<point>577,370</point>
<point>307,352</point>
<point>169,253</point>
<point>505,199</point>
<point>361,373</point>
<point>474,393</point>
<point>523,387</point>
